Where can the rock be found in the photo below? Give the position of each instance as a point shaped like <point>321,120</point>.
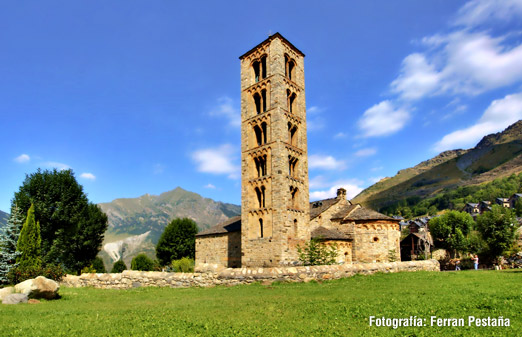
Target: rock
<point>15,299</point>
<point>6,291</point>
<point>39,287</point>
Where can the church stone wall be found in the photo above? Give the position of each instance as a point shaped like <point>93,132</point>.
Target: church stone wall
<point>222,249</point>
<point>235,276</point>
<point>373,241</point>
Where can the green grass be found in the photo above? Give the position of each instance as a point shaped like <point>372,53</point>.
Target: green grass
<point>334,308</point>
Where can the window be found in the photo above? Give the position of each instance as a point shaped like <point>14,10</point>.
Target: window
<point>293,195</point>
<point>260,133</point>
<point>292,164</point>
<point>289,68</point>
<point>260,166</point>
<point>291,102</point>
<point>260,227</point>
<point>260,192</point>
<point>292,134</point>
<point>259,68</point>
<point>260,101</point>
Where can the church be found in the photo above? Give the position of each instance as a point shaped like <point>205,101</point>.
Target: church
<point>276,215</point>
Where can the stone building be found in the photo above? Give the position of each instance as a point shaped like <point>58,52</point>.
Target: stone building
<point>276,215</point>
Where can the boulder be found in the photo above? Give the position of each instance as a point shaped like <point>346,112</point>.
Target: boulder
<point>6,291</point>
<point>39,287</point>
<point>15,299</point>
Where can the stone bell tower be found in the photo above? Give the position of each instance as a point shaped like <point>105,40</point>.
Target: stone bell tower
<point>275,211</point>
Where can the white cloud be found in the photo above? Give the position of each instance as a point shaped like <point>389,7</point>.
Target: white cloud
<point>218,160</point>
<point>88,176</point>
<point>316,161</point>
<point>56,165</point>
<point>378,168</point>
<point>477,12</point>
<point>23,158</point>
<point>314,110</point>
<point>370,151</point>
<point>226,108</point>
<point>382,119</point>
<point>352,189</point>
<point>318,182</point>
<point>417,78</point>
<point>340,135</point>
<point>374,180</point>
<point>500,114</point>
<point>158,168</point>
<point>210,186</point>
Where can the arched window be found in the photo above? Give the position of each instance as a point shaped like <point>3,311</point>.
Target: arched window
<point>259,135</point>
<point>263,129</point>
<point>292,164</point>
<point>293,196</point>
<point>261,227</point>
<point>259,68</point>
<point>295,227</point>
<point>289,68</point>
<point>260,192</point>
<point>291,102</point>
<point>258,102</point>
<point>292,134</point>
<point>260,166</point>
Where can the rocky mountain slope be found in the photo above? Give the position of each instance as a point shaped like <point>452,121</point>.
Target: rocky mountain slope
<point>135,224</point>
<point>495,156</point>
<point>3,218</point>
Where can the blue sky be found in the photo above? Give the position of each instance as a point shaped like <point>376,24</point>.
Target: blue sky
<point>141,97</point>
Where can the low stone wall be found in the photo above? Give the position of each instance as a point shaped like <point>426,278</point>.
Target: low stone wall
<point>234,276</point>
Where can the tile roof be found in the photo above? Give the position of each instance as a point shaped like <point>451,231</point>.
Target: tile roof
<point>318,207</point>
<point>330,233</point>
<point>231,225</point>
<point>361,213</point>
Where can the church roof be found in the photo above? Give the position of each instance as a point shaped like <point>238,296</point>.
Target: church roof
<point>318,207</point>
<point>330,233</point>
<point>270,38</point>
<point>361,213</point>
<point>231,225</point>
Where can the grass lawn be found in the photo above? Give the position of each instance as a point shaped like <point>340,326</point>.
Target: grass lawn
<point>333,308</point>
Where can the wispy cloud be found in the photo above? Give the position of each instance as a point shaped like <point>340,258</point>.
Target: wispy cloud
<point>209,186</point>
<point>226,108</point>
<point>316,161</point>
<point>476,12</point>
<point>158,168</point>
<point>314,119</point>
<point>383,119</point>
<point>352,187</point>
<point>340,135</point>
<point>218,160</point>
<point>23,158</point>
<point>56,165</point>
<point>500,114</point>
<point>88,176</point>
<point>370,151</point>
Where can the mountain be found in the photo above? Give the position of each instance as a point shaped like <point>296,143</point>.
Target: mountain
<point>3,218</point>
<point>135,224</point>
<point>134,216</point>
<point>495,156</point>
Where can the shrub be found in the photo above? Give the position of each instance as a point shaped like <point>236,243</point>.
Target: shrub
<point>88,270</point>
<point>316,253</point>
<point>184,265</point>
<point>98,265</point>
<point>142,262</point>
<point>118,267</point>
<point>22,273</point>
<point>178,240</point>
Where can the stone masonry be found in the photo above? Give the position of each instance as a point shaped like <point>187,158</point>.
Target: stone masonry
<point>214,275</point>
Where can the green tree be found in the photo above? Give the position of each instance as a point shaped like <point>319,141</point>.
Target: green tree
<point>449,231</point>
<point>119,266</point>
<point>98,265</point>
<point>8,242</point>
<point>142,262</point>
<point>72,229</point>
<point>498,228</point>
<point>178,240</point>
<point>29,242</point>
<point>316,253</point>
<point>518,207</point>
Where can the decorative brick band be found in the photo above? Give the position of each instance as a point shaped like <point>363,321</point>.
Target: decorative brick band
<point>234,276</point>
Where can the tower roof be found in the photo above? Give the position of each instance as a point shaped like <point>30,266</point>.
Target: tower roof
<point>270,38</point>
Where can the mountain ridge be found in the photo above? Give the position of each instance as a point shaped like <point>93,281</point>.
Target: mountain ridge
<point>495,155</point>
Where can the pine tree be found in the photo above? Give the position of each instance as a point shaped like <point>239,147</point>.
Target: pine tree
<point>29,242</point>
<point>8,241</point>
